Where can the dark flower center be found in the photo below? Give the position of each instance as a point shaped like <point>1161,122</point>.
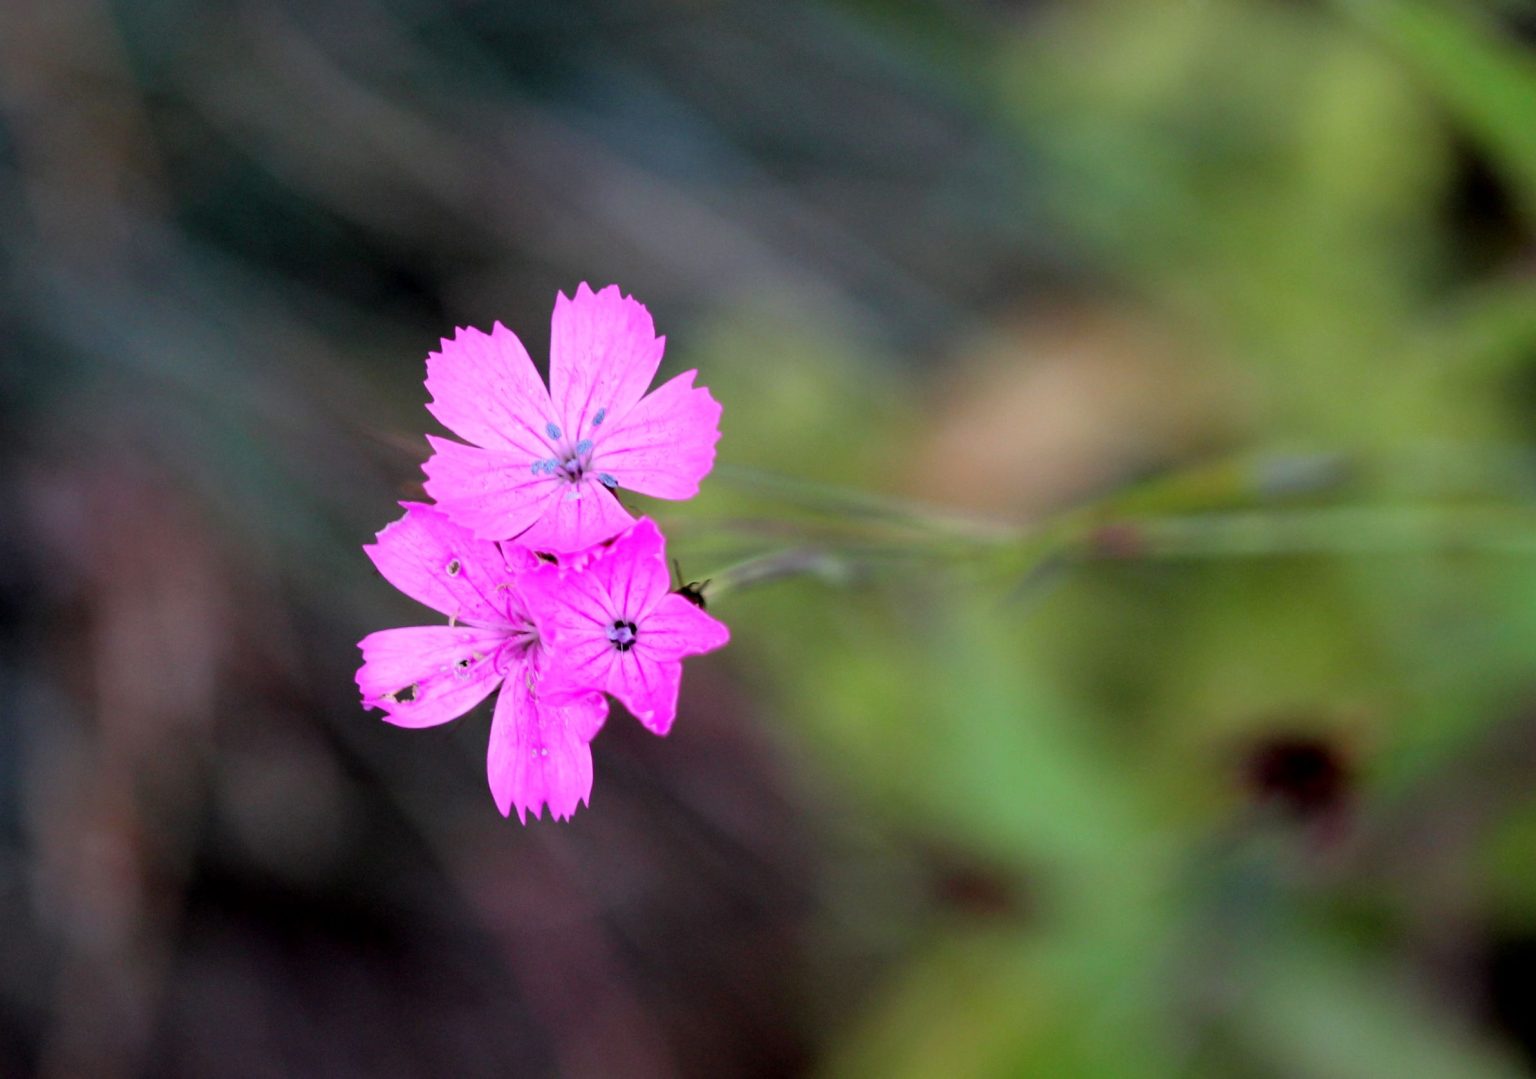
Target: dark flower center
<point>569,462</point>
<point>622,634</point>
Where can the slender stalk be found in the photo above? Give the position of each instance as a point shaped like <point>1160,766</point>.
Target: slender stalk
<point>1249,507</point>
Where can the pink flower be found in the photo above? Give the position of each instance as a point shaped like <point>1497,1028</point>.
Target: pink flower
<point>422,676</point>
<point>617,626</point>
<point>543,463</point>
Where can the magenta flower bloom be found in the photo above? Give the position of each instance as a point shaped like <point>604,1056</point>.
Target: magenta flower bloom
<point>422,676</point>
<point>543,464</point>
<point>617,626</point>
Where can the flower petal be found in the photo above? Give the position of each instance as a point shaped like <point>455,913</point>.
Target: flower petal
<point>436,562</point>
<point>676,628</point>
<point>425,675</point>
<point>579,661</point>
<point>603,353</point>
<point>486,390</point>
<point>646,686</point>
<point>617,580</point>
<point>569,524</point>
<point>576,605</point>
<point>635,570</point>
<point>538,752</point>
<point>666,444</point>
<point>495,495</point>
<point>588,715</point>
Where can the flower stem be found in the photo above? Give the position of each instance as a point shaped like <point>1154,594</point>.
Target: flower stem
<point>1245,507</point>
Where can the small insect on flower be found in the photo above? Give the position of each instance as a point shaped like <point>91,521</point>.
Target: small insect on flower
<point>615,624</point>
<point>693,591</point>
<point>422,676</point>
<point>542,464</point>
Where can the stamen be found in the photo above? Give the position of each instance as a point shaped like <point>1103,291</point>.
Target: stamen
<point>583,447</point>
<point>452,568</point>
<point>597,420</point>
<point>551,430</point>
<point>607,480</point>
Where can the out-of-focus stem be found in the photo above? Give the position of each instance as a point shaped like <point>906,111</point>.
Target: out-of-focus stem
<point>850,502</point>
<point>1341,530</point>
<point>1256,506</point>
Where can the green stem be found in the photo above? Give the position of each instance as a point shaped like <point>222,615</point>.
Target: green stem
<point>1222,510</point>
<point>1339,530</point>
<point>850,502</point>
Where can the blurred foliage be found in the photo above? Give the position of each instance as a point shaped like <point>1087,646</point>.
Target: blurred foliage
<point>1294,209</point>
<point>1124,516</point>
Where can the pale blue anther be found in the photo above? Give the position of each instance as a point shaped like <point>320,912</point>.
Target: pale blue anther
<point>583,447</point>
<point>607,480</point>
<point>602,414</point>
<point>551,430</point>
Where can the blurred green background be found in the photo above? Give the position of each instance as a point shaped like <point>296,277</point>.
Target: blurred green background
<point>1126,517</point>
